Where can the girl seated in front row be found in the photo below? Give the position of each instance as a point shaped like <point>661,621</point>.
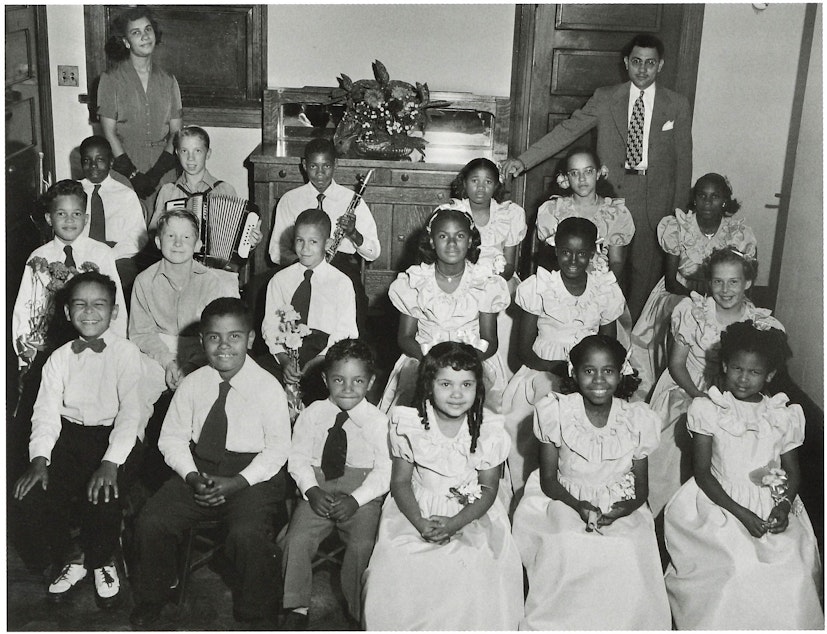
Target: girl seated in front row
<point>559,308</point>
<point>446,298</point>
<point>444,556</point>
<point>743,551</point>
<point>585,534</point>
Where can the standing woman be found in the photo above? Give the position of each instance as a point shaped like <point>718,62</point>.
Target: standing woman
<point>139,104</point>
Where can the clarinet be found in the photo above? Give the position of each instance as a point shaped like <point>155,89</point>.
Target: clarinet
<point>339,234</point>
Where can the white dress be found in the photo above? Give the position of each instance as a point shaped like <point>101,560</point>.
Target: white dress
<point>442,317</point>
<point>722,578</point>
<point>562,321</point>
<point>590,581</point>
<point>694,323</point>
<point>475,581</point>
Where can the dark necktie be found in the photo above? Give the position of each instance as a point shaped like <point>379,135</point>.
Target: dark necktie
<point>634,143</point>
<point>301,298</point>
<point>70,259</point>
<point>95,345</point>
<point>335,449</point>
<point>320,198</point>
<point>97,221</point>
<point>213,438</point>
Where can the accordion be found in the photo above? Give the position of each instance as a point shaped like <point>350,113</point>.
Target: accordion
<point>225,226</point>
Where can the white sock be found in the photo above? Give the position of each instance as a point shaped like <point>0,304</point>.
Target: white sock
<point>300,610</point>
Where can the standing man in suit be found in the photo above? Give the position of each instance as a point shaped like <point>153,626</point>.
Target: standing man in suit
<point>644,137</point>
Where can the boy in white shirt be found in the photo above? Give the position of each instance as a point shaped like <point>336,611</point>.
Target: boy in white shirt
<point>342,483</point>
<point>85,442</point>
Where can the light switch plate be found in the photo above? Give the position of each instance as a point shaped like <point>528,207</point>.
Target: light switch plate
<point>67,76</point>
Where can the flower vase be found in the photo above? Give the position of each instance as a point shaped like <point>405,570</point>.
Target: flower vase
<point>383,151</point>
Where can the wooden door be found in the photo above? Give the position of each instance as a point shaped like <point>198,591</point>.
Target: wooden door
<point>563,52</point>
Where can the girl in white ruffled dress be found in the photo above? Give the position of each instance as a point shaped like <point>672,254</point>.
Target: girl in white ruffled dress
<point>744,556</point>
<point>558,309</point>
<point>449,297</point>
<point>444,556</point>
<point>585,534</point>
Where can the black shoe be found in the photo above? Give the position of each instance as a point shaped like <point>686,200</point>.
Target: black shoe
<point>294,621</point>
<point>145,614</point>
<point>257,621</point>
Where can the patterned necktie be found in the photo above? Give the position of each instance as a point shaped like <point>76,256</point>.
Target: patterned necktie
<point>213,438</point>
<point>97,221</point>
<point>320,198</point>
<point>70,259</point>
<point>634,144</point>
<point>301,297</point>
<point>335,449</point>
<point>95,345</point>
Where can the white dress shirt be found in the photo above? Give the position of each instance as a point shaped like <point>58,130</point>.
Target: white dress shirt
<point>367,446</point>
<point>257,420</point>
<point>335,203</point>
<point>125,224</point>
<point>83,250</point>
<point>648,107</point>
<point>332,303</point>
<point>91,389</point>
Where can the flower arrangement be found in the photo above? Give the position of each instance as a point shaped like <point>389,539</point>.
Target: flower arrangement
<point>774,478</point>
<point>381,114</point>
<point>618,491</point>
<point>467,493</point>
<point>289,334</point>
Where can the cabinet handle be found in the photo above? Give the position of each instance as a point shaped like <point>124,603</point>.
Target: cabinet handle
<point>282,173</point>
<point>440,195</point>
<point>406,177</point>
<point>401,237</point>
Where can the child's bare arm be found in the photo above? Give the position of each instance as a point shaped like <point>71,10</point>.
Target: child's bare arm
<point>549,456</point>
<point>402,492</point>
<point>525,342</point>
<point>488,332</point>
<point>610,329</point>
<point>640,469</point>
<point>677,368</point>
<point>617,261</point>
<point>489,481</point>
<point>778,519</point>
<point>406,337</point>
<point>671,276</point>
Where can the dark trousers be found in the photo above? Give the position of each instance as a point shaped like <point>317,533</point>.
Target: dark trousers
<point>64,504</point>
<point>351,265</point>
<point>249,517</point>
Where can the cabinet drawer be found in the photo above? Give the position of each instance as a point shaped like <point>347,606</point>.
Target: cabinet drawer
<point>421,178</point>
<point>279,173</point>
<point>406,195</point>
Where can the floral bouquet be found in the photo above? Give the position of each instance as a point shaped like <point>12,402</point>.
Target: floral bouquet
<point>289,334</point>
<point>774,478</point>
<point>467,493</point>
<point>618,491</point>
<point>381,114</point>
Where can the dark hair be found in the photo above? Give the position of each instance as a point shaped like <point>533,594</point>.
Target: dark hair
<point>576,227</point>
<point>730,255</point>
<point>90,277</point>
<point>730,206</point>
<point>350,349</point>
<point>66,187</point>
<point>427,253</point>
<point>115,48</point>
<point>770,344</point>
<point>458,184</point>
<point>227,307</point>
<point>628,383</point>
<point>177,213</point>
<point>603,187</point>
<point>319,145</point>
<point>315,217</point>
<point>644,40</point>
<point>191,130</point>
<point>95,141</point>
<point>457,356</point>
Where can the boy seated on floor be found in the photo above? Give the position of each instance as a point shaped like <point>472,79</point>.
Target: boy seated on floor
<point>85,445</point>
<point>340,461</point>
<point>227,437</point>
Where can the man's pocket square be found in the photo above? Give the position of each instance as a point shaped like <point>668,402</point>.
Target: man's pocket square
<point>668,126</point>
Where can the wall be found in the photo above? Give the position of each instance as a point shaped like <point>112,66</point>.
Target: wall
<point>460,47</point>
<point>801,288</point>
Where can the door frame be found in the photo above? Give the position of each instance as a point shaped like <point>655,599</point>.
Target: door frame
<point>47,129</point>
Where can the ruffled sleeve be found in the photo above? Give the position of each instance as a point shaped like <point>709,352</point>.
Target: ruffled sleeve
<point>517,227</point>
<point>547,419</point>
<point>794,428</point>
<point>548,217</point>
<point>620,227</point>
<point>493,444</point>
<point>648,424</point>
<point>405,428</point>
<point>403,292</point>
<point>610,297</point>
<point>528,296</point>
<point>685,319</point>
<point>741,236</point>
<point>491,293</point>
<point>703,415</point>
<point>669,235</point>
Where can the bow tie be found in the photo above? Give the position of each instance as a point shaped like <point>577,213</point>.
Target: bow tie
<point>95,345</point>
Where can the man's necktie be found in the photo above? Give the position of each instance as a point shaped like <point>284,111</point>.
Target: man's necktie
<point>320,198</point>
<point>301,298</point>
<point>634,144</point>
<point>335,449</point>
<point>97,221</point>
<point>95,345</point>
<point>70,259</point>
<point>213,438</point>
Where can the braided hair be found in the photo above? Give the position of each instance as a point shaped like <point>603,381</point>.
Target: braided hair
<point>457,356</point>
<point>765,341</point>
<point>628,382</point>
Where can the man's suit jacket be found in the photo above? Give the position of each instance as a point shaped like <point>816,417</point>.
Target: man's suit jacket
<point>670,150</point>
